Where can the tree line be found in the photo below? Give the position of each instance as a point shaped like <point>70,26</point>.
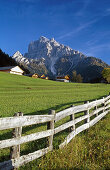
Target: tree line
<point>76,77</point>
<point>6,60</point>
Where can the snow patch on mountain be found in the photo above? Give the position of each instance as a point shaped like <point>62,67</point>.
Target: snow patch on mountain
<point>47,52</point>
<point>20,59</point>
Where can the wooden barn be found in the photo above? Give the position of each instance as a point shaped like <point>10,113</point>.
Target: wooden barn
<point>35,75</point>
<point>12,69</point>
<point>65,78</point>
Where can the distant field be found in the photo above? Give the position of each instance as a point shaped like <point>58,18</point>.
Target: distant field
<point>36,96</point>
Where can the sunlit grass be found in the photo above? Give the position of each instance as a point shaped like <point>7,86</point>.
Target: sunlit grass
<point>36,96</point>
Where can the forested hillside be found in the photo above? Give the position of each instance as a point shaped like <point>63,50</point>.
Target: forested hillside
<point>5,60</point>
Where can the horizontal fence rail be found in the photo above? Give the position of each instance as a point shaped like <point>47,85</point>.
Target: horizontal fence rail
<point>88,114</point>
<point>12,122</point>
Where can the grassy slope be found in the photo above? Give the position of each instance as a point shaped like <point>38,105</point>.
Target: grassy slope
<point>35,96</point>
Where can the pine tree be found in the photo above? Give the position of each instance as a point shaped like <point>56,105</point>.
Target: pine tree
<point>79,79</point>
<point>74,76</point>
<point>106,74</point>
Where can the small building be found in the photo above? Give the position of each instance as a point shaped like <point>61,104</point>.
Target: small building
<point>63,78</point>
<point>35,75</point>
<point>44,77</point>
<point>12,69</point>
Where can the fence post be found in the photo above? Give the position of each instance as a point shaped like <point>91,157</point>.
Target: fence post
<point>15,150</point>
<point>87,113</point>
<point>50,125</point>
<point>103,105</point>
<point>96,108</point>
<point>72,117</point>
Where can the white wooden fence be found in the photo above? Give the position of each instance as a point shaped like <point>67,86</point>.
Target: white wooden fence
<point>93,112</point>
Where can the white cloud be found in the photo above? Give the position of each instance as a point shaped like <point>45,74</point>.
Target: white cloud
<point>83,9</point>
<point>96,49</point>
<point>78,29</point>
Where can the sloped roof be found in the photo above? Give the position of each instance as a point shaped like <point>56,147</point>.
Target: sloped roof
<point>43,75</point>
<point>10,68</point>
<point>63,77</point>
<point>7,68</point>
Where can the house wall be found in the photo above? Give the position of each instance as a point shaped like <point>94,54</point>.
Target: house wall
<point>63,80</point>
<point>14,72</point>
<point>6,71</point>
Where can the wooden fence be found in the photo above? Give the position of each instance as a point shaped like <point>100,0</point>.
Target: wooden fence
<point>89,114</point>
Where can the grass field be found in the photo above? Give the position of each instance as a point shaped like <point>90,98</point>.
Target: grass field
<point>89,150</point>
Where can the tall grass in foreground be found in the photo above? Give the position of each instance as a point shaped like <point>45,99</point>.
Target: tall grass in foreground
<point>88,150</point>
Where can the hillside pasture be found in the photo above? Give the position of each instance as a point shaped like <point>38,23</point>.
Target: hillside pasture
<point>37,96</point>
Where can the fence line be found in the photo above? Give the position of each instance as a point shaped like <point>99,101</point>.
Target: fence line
<point>93,112</point>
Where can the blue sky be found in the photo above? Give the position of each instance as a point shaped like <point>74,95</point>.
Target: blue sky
<point>83,25</point>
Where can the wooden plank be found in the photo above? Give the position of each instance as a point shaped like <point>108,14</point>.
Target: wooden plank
<point>107,98</point>
<point>107,102</point>
<point>50,125</point>
<point>95,120</point>
<point>72,117</point>
<point>70,111</point>
<point>13,122</point>
<point>77,109</point>
<point>107,107</point>
<point>67,139</point>
<point>70,123</point>
<point>95,103</point>
<point>87,113</point>
<point>79,119</point>
<point>24,139</point>
<point>82,128</point>
<point>64,126</point>
<point>96,111</point>
<point>15,150</point>
<point>31,156</point>
<point>8,165</point>
<point>73,134</point>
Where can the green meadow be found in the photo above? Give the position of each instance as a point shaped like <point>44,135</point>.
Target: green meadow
<point>88,150</point>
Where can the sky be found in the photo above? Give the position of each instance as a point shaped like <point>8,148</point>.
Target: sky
<point>83,25</point>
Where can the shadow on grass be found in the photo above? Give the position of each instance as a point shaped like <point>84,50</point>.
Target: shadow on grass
<point>57,107</point>
<point>60,107</point>
<point>39,144</point>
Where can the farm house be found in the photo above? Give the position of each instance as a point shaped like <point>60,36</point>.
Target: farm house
<point>35,75</point>
<point>44,77</point>
<point>12,69</point>
<point>63,78</point>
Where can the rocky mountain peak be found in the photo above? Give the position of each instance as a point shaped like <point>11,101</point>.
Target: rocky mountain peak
<point>20,58</point>
<point>51,50</point>
<point>48,56</point>
<point>17,53</point>
<point>43,39</point>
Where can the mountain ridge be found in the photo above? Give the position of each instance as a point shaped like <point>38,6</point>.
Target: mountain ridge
<point>51,50</point>
<point>54,59</point>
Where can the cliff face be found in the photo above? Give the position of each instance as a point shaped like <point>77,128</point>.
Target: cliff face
<point>33,65</point>
<point>90,68</point>
<point>51,51</point>
<point>49,57</point>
